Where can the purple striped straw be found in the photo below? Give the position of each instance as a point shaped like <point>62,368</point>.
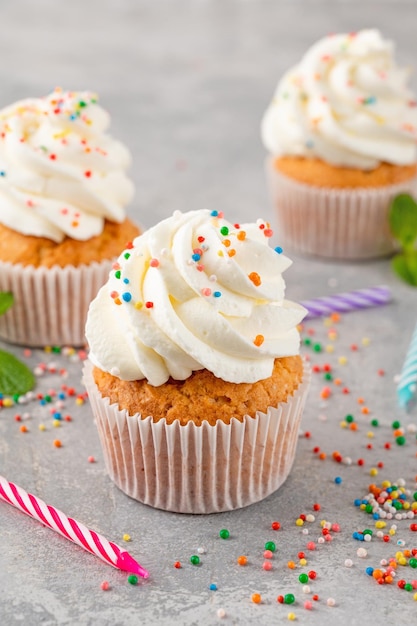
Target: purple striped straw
<point>349,301</point>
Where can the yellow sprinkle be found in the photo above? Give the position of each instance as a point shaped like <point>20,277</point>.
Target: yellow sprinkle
<point>373,471</point>
<point>380,524</point>
<point>366,341</point>
<point>398,555</point>
<point>220,252</point>
<point>323,522</point>
<point>343,424</point>
<point>292,617</point>
<point>402,561</point>
<point>414,506</point>
<point>79,401</point>
<point>342,360</point>
<point>42,427</point>
<point>138,305</point>
<point>48,349</point>
<point>406,505</point>
<point>332,335</point>
<point>327,322</point>
<point>126,537</point>
<point>329,348</point>
<point>415,596</point>
<point>391,532</point>
<point>385,484</point>
<point>56,423</point>
<point>370,434</point>
<point>7,402</point>
<point>303,562</point>
<point>299,522</point>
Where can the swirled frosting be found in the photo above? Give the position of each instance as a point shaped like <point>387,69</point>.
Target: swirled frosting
<point>195,292</point>
<point>60,172</point>
<point>347,103</point>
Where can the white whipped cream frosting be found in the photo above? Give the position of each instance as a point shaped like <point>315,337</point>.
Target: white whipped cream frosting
<point>195,292</point>
<point>61,173</point>
<point>347,103</point>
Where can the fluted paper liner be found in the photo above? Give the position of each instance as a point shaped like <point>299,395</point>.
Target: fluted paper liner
<point>334,223</point>
<point>50,304</point>
<point>198,469</point>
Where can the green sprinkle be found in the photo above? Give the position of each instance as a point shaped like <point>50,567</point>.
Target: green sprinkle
<point>328,376</point>
<point>349,419</point>
<point>400,440</point>
<point>395,424</point>
<point>374,423</point>
<point>317,347</point>
<point>289,598</point>
<point>132,579</point>
<point>195,560</point>
<point>303,578</point>
<point>270,545</point>
<point>117,273</point>
<point>224,533</point>
<point>413,563</point>
<point>224,230</point>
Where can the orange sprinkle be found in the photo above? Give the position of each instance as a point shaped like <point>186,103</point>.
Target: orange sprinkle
<point>398,432</point>
<point>259,339</point>
<point>232,252</point>
<point>291,565</point>
<point>57,443</point>
<point>322,456</point>
<point>353,426</point>
<point>242,560</point>
<point>226,242</point>
<point>23,428</point>
<point>361,400</point>
<point>117,301</point>
<point>335,317</point>
<point>255,278</point>
<point>241,235</point>
<point>256,598</point>
<point>337,381</point>
<point>365,410</point>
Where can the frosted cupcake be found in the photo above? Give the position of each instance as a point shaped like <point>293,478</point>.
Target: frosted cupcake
<point>195,377</point>
<point>341,136</point>
<point>63,194</point>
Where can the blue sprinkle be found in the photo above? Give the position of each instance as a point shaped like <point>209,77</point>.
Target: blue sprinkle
<point>61,396</point>
<point>338,480</point>
<point>369,571</point>
<point>278,250</point>
<point>214,213</point>
<point>375,515</point>
<point>2,173</point>
<point>126,281</point>
<point>217,294</point>
<point>127,296</point>
<point>196,257</point>
<point>73,117</point>
<point>57,416</point>
<point>213,587</point>
<point>357,502</point>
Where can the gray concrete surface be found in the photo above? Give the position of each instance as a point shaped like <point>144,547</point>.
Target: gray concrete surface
<point>186,83</point>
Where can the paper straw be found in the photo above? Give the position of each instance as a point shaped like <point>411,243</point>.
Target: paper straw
<point>69,528</point>
<point>407,386</point>
<point>349,301</point>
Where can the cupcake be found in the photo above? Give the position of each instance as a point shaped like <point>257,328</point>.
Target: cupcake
<point>63,194</point>
<point>194,373</point>
<point>341,137</point>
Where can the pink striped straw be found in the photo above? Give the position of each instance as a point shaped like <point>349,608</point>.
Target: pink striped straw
<point>349,301</point>
<point>69,528</point>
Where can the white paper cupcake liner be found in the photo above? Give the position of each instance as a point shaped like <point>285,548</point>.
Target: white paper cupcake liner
<point>50,304</point>
<point>334,223</point>
<point>198,469</point>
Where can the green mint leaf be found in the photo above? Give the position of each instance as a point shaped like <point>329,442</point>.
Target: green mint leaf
<point>6,301</point>
<point>15,376</point>
<point>403,220</point>
<point>405,265</point>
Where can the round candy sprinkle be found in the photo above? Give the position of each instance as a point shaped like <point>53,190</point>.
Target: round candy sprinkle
<point>224,533</point>
<point>195,560</point>
<point>132,579</point>
<point>213,587</point>
<point>177,565</point>
<point>331,602</point>
<point>221,613</point>
<point>242,560</point>
<point>267,566</point>
<point>270,545</point>
<point>277,525</point>
<point>256,598</point>
<point>303,578</point>
<point>105,585</point>
<point>289,598</point>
